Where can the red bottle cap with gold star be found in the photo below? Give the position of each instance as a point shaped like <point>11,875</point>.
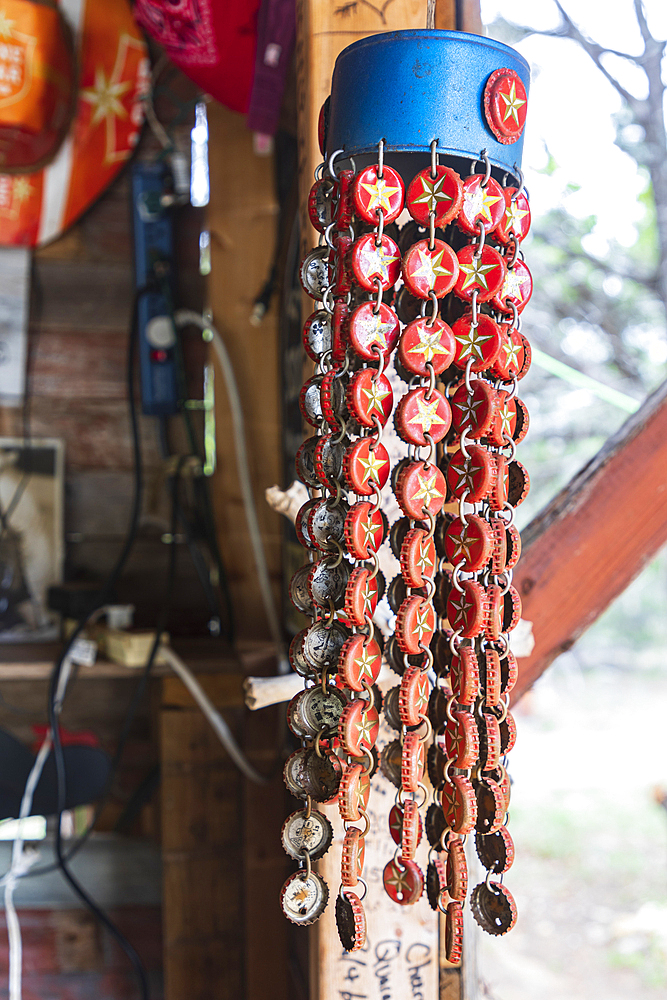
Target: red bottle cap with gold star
<point>491,678</point>
<point>442,194</point>
<point>457,871</point>
<point>417,415</point>
<point>420,487</point>
<point>359,662</point>
<point>508,360</point>
<point>355,787</point>
<point>413,762</point>
<point>361,596</point>
<point>454,933</point>
<point>426,270</point>
<point>411,830</point>
<point>474,410</point>
<point>413,696</point>
<point>474,475</point>
<point>484,274</point>
<point>481,203</point>
<point>417,557</point>
<point>516,289</point>
<point>513,539</point>
<point>481,343</point>
<point>464,675</point>
<point>499,550</point>
<point>462,740</point>
<point>403,882</point>
<point>372,192</point>
<point>415,624</point>
<point>371,263</point>
<point>364,530</point>
<point>396,823</point>
<point>422,343</point>
<point>510,421</point>
<point>364,466</point>
<point>459,804</point>
<point>516,218</point>
<point>352,857</point>
<point>505,105</point>
<point>469,543</point>
<point>372,330</point>
<point>370,397</point>
<point>358,727</point>
<point>493,624</point>
<point>467,609</point>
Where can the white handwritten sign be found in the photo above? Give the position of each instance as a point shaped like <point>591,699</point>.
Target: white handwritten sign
<point>400,959</point>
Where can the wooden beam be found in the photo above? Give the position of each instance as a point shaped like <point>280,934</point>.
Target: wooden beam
<point>242,220</point>
<point>594,537</point>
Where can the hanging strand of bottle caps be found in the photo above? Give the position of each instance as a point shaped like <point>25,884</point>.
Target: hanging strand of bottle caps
<point>443,286</point>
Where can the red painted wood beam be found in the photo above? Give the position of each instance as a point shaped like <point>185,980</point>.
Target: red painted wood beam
<point>594,537</point>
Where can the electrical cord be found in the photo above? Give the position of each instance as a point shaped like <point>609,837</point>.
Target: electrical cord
<point>187,317</point>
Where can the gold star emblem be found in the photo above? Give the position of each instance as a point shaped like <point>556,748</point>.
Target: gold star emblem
<point>432,193</point>
<point>429,344</point>
<point>369,598</point>
<point>362,786</point>
<point>476,273</point>
<point>423,623</point>
<point>6,25</point>
<point>370,528</point>
<point>505,420</point>
<point>21,190</point>
<point>468,409</point>
<point>427,415</point>
<point>376,332</point>
<point>463,546</point>
<point>431,267</point>
<point>427,489</point>
<point>472,342</point>
<point>380,194</point>
<point>376,261</point>
<point>511,352</point>
<point>513,286</point>
<point>375,394</point>
<point>423,561</point>
<point>366,663</point>
<point>459,608</point>
<point>465,474</point>
<point>399,881</point>
<point>372,466</point>
<point>512,103</point>
<point>514,215</point>
<point>421,699</point>
<point>105,97</point>
<point>477,201</point>
<point>365,734</point>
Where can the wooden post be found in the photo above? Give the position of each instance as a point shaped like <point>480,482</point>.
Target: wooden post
<point>242,221</point>
<point>595,537</point>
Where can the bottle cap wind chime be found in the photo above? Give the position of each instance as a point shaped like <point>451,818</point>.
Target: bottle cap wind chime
<point>419,274</point>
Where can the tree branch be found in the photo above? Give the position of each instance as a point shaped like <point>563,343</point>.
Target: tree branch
<point>640,14</point>
<point>595,51</point>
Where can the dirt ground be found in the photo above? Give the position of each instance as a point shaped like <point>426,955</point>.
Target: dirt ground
<point>590,876</point>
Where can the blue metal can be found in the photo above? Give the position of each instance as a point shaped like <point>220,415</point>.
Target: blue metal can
<point>410,87</point>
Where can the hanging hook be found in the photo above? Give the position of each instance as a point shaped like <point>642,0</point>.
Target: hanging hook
<point>487,167</point>
<point>380,167</point>
<point>434,159</point>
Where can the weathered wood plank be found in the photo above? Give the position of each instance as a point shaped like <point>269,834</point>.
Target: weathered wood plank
<point>594,538</point>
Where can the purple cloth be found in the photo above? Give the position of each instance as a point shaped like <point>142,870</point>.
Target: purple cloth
<point>276,31</point>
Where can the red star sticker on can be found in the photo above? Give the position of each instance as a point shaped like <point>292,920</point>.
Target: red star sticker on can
<point>505,105</point>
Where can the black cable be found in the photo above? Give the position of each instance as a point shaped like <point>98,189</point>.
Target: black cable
<point>459,15</point>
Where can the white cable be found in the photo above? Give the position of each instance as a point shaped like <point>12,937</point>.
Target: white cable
<point>182,318</point>
<point>20,864</point>
<point>221,728</point>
